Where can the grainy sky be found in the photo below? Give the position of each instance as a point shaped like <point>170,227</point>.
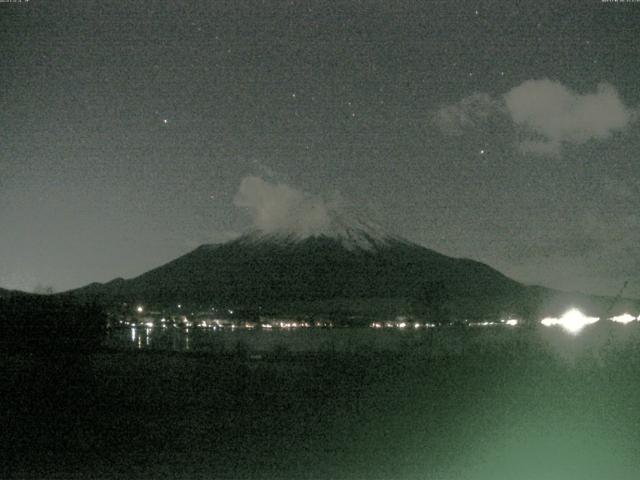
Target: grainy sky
<point>501,131</point>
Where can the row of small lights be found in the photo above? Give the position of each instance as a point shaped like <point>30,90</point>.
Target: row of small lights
<point>416,325</point>
<point>140,309</point>
<point>572,321</point>
<point>216,324</point>
<point>401,325</point>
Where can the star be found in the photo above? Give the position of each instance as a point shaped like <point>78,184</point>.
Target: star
<point>165,121</point>
<point>483,151</point>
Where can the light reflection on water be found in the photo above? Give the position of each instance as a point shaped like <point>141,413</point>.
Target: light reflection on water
<point>219,340</point>
<point>439,341</point>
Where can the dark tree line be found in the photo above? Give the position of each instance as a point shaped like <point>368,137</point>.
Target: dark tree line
<point>47,324</point>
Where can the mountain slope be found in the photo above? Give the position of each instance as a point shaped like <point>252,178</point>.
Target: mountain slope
<point>276,271</point>
<point>352,267</point>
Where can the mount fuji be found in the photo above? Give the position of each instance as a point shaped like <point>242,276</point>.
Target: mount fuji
<point>350,267</point>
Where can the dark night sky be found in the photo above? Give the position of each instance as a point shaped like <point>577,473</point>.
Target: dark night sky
<point>500,131</point>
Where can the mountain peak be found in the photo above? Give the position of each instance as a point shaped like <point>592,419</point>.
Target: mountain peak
<point>352,232</point>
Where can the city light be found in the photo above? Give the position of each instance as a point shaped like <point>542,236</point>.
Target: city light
<point>624,318</point>
<point>482,324</point>
<point>572,321</point>
<point>139,309</point>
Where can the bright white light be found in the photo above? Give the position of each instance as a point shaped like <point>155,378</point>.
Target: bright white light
<point>624,318</point>
<point>139,309</point>
<point>572,321</point>
<point>402,325</point>
<point>149,324</point>
<point>512,322</point>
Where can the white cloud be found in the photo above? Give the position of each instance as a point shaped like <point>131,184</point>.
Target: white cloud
<point>552,114</point>
<point>548,114</point>
<point>279,207</point>
<point>468,112</point>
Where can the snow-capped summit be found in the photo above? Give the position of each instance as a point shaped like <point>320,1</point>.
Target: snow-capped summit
<point>351,231</point>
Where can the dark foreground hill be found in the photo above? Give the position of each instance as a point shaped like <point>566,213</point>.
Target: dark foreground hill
<point>13,293</point>
<point>49,324</point>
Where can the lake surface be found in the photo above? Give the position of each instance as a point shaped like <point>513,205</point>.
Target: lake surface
<point>467,403</point>
<point>527,404</point>
<point>437,341</point>
<point>262,340</point>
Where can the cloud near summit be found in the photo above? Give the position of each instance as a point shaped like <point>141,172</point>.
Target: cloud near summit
<point>277,207</point>
<point>547,114</point>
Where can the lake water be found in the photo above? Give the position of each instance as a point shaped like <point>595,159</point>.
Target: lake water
<point>437,341</point>
<point>262,340</point>
<point>527,403</point>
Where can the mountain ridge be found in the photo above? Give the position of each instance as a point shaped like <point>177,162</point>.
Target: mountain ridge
<point>274,271</point>
<point>350,267</point>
